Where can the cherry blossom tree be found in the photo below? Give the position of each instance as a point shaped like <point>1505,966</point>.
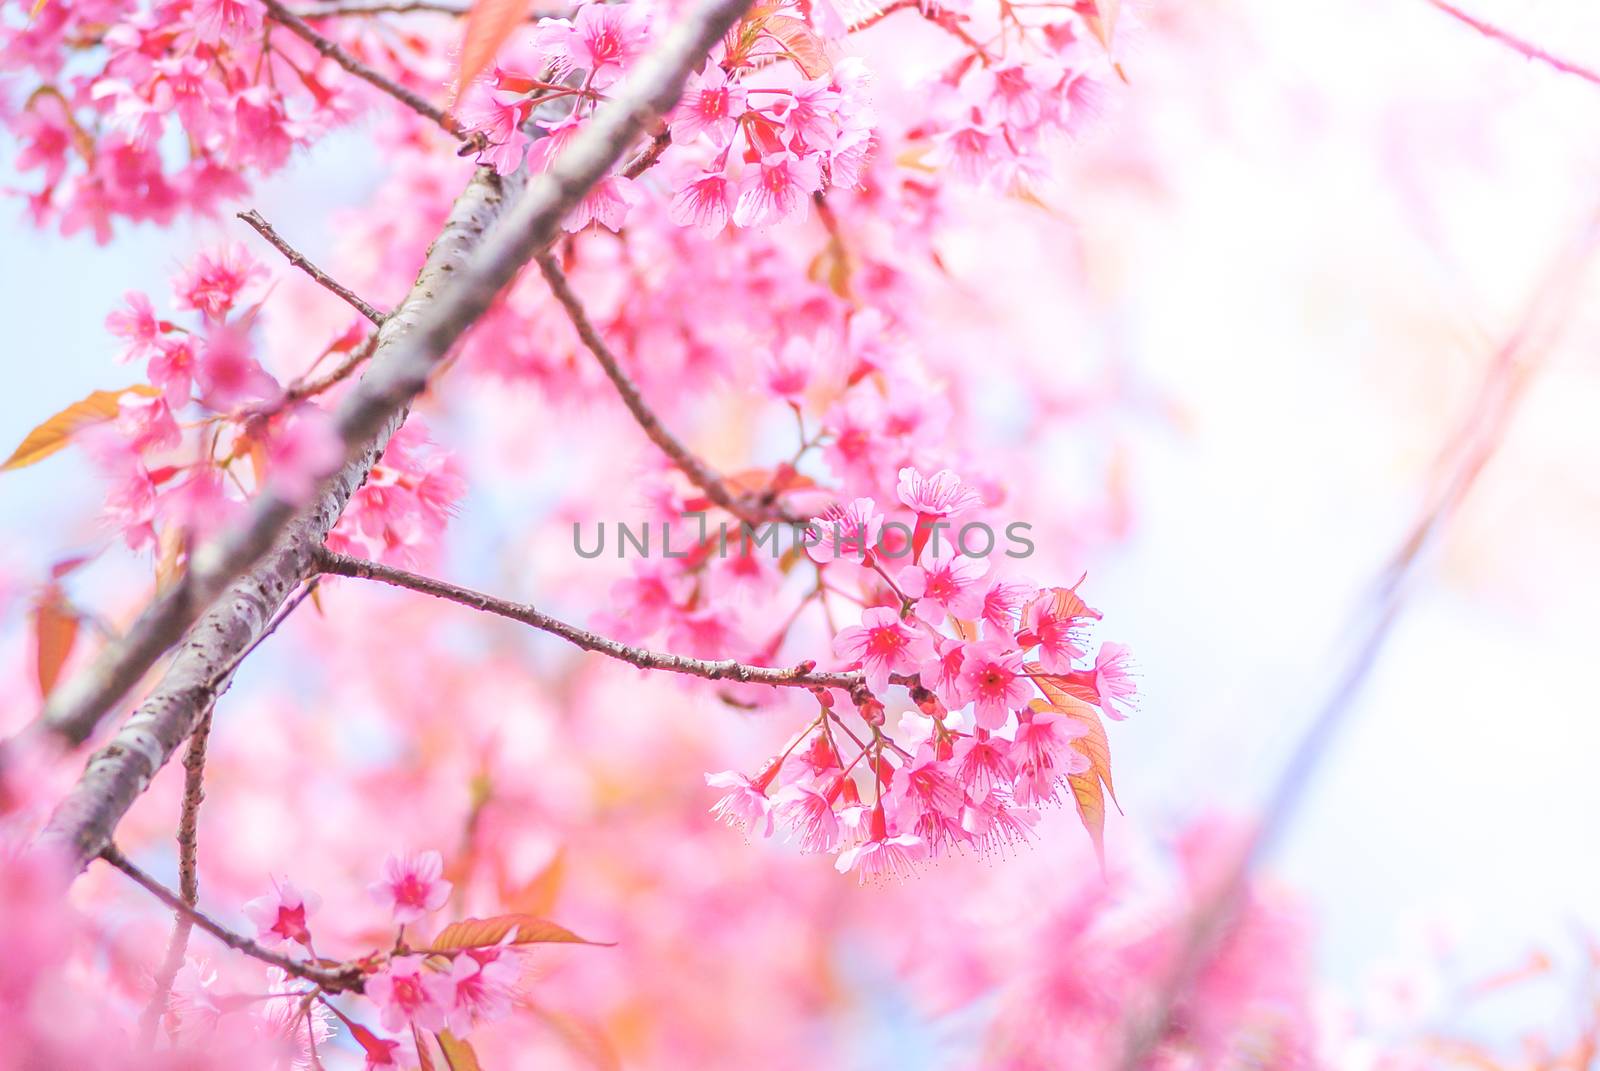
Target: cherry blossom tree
<point>687,271</point>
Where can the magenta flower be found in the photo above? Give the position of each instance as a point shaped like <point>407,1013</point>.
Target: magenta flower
<point>711,104</point>
<point>780,187</point>
<point>1113,681</point>
<point>884,644</point>
<point>283,914</point>
<point>992,678</point>
<point>704,204</point>
<point>412,886</point>
<point>409,994</point>
<point>940,495</point>
<point>948,583</point>
<point>746,805</point>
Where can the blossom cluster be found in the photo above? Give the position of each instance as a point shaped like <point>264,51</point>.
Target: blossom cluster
<point>993,735</point>
<point>211,426</point>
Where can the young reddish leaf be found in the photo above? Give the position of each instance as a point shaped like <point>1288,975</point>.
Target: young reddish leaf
<point>457,1053</point>
<point>57,432</point>
<point>1064,603</point>
<point>489,24</point>
<point>1087,791</point>
<point>479,933</point>
<point>55,628</point>
<point>800,42</point>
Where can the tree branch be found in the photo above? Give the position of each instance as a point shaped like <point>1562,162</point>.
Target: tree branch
<point>330,49</point>
<point>699,473</point>
<point>298,259</point>
<point>804,675</point>
<point>194,765</point>
<point>481,249</point>
<point>347,979</point>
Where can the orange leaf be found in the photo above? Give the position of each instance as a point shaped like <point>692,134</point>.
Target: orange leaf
<point>489,23</point>
<point>457,1053</point>
<point>1087,790</point>
<point>801,44</point>
<point>55,627</point>
<point>479,933</point>
<point>58,431</point>
<point>539,894</point>
<point>1102,20</point>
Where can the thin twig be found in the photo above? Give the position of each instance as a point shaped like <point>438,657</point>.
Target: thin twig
<point>1525,48</point>
<point>804,675</point>
<point>330,49</point>
<point>338,979</point>
<point>194,764</point>
<point>699,473</point>
<point>404,7</point>
<point>299,260</point>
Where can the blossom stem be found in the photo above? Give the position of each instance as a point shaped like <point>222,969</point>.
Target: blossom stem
<point>194,764</point>
<point>340,979</point>
<point>299,260</point>
<point>331,50</point>
<point>804,675</point>
<point>698,472</point>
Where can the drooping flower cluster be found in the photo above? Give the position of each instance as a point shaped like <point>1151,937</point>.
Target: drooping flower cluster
<point>993,735</point>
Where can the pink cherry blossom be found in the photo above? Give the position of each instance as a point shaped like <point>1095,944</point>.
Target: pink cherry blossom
<point>711,105</point>
<point>705,203</point>
<point>948,582</point>
<point>216,281</point>
<point>745,806</point>
<point>991,675</point>
<point>1044,753</point>
<point>940,495</point>
<point>809,817</point>
<point>412,886</point>
<point>602,39</point>
<point>138,325</point>
<point>884,644</point>
<point>409,993</point>
<point>778,188</point>
<point>1113,681</point>
<point>283,914</point>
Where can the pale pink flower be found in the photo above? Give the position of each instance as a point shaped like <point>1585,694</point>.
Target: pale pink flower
<point>704,204</point>
<point>172,368</point>
<point>983,764</point>
<point>147,422</point>
<point>947,582</point>
<point>992,677</point>
<point>303,449</point>
<point>779,188</point>
<point>711,104</point>
<point>485,982</point>
<point>810,818</point>
<point>138,325</point>
<point>1044,753</point>
<point>787,372</point>
<point>283,914</point>
<point>412,886</point>
<point>969,149</point>
<point>941,672</point>
<point>603,39</point>
<point>1113,680</point>
<point>881,855</point>
<point>227,372</point>
<point>1003,601</point>
<point>409,994</point>
<point>849,531</point>
<point>940,495</point>
<point>746,805</point>
<point>884,644</point>
<point>214,283</point>
<point>607,203</point>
